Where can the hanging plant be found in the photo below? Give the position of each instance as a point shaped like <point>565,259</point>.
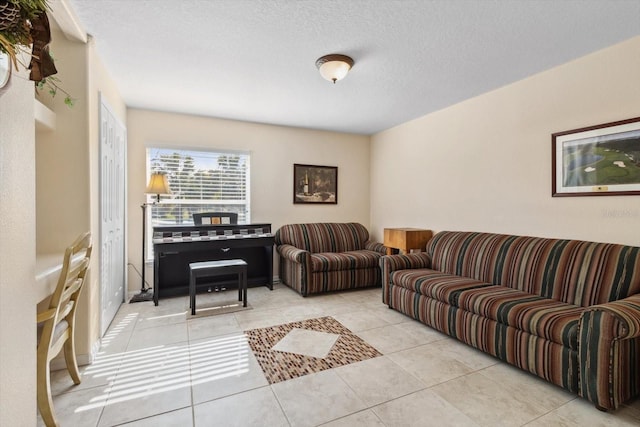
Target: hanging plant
<point>24,23</point>
<point>16,17</point>
<point>51,86</point>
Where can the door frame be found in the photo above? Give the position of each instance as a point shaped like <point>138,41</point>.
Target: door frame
<point>103,103</point>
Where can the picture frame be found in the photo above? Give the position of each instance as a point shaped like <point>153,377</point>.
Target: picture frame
<point>601,160</point>
<point>315,184</point>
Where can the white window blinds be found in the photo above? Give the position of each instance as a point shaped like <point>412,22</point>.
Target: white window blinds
<point>200,181</point>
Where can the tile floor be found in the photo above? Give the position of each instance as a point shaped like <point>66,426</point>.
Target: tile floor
<point>159,367</point>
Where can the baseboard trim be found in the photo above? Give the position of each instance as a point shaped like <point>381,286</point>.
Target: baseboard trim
<point>83,359</point>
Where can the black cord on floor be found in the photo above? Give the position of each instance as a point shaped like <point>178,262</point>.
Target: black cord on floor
<point>146,287</point>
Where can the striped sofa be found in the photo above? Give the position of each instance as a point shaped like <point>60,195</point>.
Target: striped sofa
<point>322,257</point>
<point>565,310</point>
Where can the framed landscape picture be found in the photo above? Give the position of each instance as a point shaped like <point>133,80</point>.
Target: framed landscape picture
<point>602,160</point>
<point>315,184</point>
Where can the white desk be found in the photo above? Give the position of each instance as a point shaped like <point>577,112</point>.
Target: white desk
<point>48,267</point>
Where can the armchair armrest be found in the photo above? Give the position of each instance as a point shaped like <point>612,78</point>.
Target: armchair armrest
<point>295,267</point>
<point>375,246</point>
<point>390,263</point>
<point>294,254</point>
<point>607,346</point>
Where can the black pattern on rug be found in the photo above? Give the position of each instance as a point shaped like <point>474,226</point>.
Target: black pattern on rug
<point>281,366</point>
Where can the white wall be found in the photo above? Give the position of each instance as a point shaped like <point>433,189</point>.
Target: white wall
<point>485,164</point>
<point>17,254</point>
<point>274,150</point>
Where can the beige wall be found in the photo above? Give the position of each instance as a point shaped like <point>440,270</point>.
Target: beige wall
<point>17,254</point>
<point>62,155</point>
<point>67,159</point>
<point>274,150</point>
<point>485,164</point>
<point>62,174</point>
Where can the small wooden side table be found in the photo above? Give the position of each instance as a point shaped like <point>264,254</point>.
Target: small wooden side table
<point>406,239</point>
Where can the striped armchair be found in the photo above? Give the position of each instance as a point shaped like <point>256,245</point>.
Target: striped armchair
<point>322,257</point>
<point>565,310</point>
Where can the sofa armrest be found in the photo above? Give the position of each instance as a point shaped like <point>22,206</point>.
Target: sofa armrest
<point>375,246</point>
<point>390,263</point>
<point>294,254</point>
<point>621,318</point>
<point>608,351</point>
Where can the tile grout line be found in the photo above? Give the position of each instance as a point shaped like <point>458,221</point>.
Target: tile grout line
<point>273,392</point>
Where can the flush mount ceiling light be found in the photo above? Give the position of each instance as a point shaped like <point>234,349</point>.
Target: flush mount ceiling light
<point>334,67</point>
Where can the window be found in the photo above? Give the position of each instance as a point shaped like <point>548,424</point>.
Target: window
<point>200,181</point>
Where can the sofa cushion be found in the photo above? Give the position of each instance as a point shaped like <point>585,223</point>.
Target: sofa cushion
<point>543,317</point>
<point>331,261</point>
<point>323,237</point>
<point>435,284</point>
<point>546,318</point>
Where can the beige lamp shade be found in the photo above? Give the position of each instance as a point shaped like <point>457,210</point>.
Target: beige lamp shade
<point>158,185</point>
<point>334,67</point>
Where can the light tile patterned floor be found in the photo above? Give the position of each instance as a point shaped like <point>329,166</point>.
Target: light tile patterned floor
<point>159,367</point>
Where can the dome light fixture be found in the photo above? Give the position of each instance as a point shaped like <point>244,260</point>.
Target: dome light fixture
<point>334,67</point>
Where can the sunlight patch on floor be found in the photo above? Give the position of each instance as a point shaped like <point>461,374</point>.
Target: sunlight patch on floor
<point>159,369</point>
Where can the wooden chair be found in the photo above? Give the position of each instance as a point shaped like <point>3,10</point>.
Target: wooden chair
<point>215,218</point>
<point>56,324</point>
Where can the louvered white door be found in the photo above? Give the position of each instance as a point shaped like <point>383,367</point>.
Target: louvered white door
<point>113,136</point>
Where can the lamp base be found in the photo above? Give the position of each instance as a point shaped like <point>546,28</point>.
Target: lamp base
<point>144,295</point>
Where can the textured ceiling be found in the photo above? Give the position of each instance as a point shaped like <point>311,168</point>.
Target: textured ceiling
<point>255,60</point>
